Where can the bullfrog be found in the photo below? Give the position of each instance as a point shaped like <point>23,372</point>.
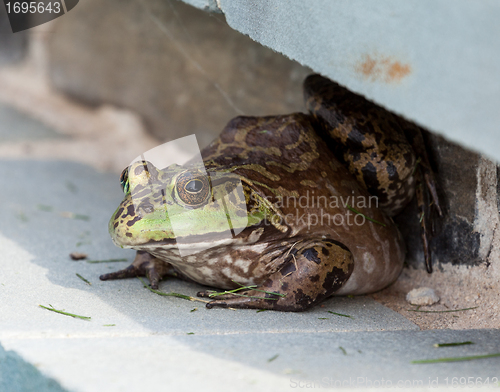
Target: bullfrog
<point>309,198</point>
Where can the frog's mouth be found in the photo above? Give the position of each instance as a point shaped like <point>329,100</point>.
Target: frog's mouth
<point>168,243</point>
<point>193,242</point>
<point>200,242</point>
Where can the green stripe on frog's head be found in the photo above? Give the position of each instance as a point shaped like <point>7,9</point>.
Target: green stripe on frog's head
<point>181,203</point>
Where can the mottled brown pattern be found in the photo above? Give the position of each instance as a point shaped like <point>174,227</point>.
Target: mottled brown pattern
<point>369,139</point>
<point>306,278</point>
<point>304,243</point>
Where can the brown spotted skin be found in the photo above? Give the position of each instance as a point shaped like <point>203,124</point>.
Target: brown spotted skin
<point>379,148</point>
<point>367,138</point>
<point>302,251</point>
<point>309,274</point>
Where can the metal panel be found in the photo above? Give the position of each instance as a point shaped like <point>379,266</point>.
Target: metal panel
<point>434,62</point>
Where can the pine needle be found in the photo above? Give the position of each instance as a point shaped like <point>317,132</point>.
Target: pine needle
<point>452,344</point>
<point>416,165</point>
<point>253,287</point>
<point>339,314</point>
<point>171,294</point>
<point>457,359</point>
<point>363,215</point>
<point>52,309</point>
<point>105,261</point>
<point>441,311</point>
<point>85,280</point>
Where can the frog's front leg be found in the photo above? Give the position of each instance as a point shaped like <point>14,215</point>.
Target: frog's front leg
<point>144,265</point>
<point>308,274</point>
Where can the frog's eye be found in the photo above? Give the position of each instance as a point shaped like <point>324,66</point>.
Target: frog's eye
<point>124,181</point>
<point>193,188</point>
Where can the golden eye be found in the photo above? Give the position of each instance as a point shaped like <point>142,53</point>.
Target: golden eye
<point>193,188</point>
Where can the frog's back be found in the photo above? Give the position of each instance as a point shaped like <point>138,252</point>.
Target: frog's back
<point>287,162</point>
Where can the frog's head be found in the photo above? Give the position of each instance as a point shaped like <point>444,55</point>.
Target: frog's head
<point>180,206</point>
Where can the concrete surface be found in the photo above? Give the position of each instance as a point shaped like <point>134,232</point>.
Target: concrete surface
<point>435,63</point>
<point>137,340</point>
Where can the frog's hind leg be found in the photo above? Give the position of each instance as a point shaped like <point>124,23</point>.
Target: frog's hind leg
<point>144,265</point>
<point>385,153</point>
<point>368,139</point>
<point>307,275</point>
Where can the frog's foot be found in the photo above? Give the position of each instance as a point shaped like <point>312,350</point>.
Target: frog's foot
<point>307,276</point>
<point>218,294</point>
<point>144,265</point>
<point>427,208</point>
<point>416,139</point>
<point>426,192</point>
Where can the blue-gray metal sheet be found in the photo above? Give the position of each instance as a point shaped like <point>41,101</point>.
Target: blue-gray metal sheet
<point>434,62</point>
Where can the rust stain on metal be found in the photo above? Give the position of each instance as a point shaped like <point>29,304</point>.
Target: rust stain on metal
<point>382,68</point>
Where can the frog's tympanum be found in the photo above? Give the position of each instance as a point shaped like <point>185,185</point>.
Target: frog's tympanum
<point>297,206</point>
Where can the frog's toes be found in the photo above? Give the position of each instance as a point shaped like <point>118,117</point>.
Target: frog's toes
<point>252,300</point>
<point>205,294</point>
<point>143,265</point>
<point>221,303</point>
<point>219,296</point>
<point>130,272</point>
